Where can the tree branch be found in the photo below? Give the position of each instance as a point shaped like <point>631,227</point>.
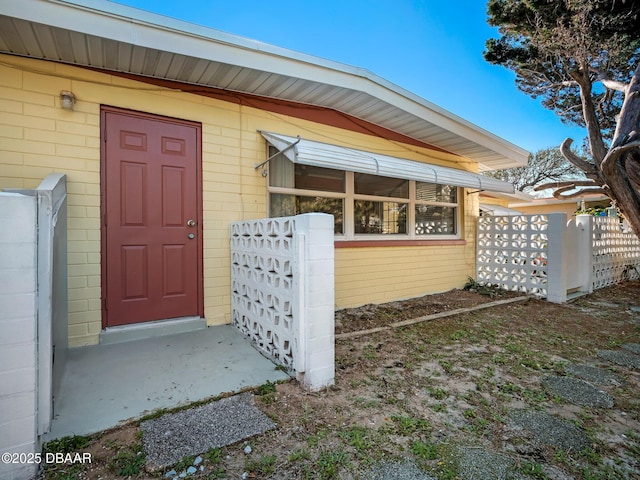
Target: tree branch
<point>558,193</point>
<point>598,148</point>
<point>568,185</point>
<point>588,168</point>
<point>610,161</point>
<point>614,85</point>
<point>629,119</point>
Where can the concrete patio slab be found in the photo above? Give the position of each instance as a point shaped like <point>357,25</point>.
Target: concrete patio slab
<point>104,385</point>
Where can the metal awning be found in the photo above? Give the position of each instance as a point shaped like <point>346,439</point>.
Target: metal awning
<point>308,152</point>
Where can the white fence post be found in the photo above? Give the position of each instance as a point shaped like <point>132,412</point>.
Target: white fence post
<point>585,223</point>
<point>317,322</point>
<point>556,253</point>
<point>52,292</point>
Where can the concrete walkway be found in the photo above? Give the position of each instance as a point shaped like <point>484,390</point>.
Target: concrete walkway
<point>104,385</point>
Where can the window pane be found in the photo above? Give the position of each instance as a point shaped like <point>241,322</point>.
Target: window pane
<point>435,220</point>
<point>288,205</point>
<point>433,192</point>
<point>333,206</point>
<point>318,178</point>
<point>380,217</point>
<point>281,205</point>
<point>280,171</point>
<point>382,186</point>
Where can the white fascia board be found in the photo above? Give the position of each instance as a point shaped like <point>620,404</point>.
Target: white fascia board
<point>525,198</point>
<point>125,24</point>
<point>367,82</point>
<point>557,201</point>
<point>133,26</point>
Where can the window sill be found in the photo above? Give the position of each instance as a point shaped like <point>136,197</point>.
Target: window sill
<point>396,243</point>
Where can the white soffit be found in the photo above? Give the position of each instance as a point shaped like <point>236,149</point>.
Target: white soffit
<point>498,211</point>
<point>106,35</point>
<point>317,154</point>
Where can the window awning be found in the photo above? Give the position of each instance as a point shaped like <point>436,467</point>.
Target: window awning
<point>317,154</point>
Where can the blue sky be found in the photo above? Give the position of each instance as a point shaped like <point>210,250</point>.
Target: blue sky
<point>432,48</point>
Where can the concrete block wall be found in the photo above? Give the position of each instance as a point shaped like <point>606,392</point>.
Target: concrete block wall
<point>317,322</point>
<point>615,253</point>
<point>18,335</point>
<point>512,252</point>
<point>282,278</point>
<point>548,256</point>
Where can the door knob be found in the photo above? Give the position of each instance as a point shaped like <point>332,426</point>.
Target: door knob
<point>191,223</point>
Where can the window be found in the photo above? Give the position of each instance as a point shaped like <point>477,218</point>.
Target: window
<point>436,209</point>
<point>363,205</point>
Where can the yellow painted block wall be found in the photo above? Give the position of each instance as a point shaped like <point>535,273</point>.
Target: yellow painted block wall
<point>569,208</point>
<point>37,138</point>
<point>382,274</point>
<point>486,199</point>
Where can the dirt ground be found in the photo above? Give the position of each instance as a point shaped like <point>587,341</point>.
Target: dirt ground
<point>419,391</point>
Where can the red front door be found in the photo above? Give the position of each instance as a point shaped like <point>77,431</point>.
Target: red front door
<point>151,218</point>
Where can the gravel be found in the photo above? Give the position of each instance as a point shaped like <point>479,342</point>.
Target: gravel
<point>577,391</point>
<point>548,430</point>
<point>169,438</point>
<point>594,375</point>
<point>480,464</point>
<point>396,470</point>
<point>632,347</point>
<point>626,358</point>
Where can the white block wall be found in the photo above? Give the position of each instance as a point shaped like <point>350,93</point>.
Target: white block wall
<point>512,253</point>
<point>282,292</point>
<point>318,316</point>
<point>18,355</point>
<point>616,254</point>
<point>547,256</point>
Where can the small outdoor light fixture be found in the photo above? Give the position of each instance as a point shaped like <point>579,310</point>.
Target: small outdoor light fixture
<point>67,99</point>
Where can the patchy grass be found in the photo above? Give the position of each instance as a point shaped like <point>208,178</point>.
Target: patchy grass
<point>422,390</point>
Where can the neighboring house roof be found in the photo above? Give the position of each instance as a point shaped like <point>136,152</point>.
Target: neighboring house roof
<point>106,35</point>
<point>498,211</point>
<point>515,196</point>
<point>587,197</point>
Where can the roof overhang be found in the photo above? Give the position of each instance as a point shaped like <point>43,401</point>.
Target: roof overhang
<point>516,196</point>
<point>317,154</point>
<point>587,197</point>
<point>113,37</point>
<point>498,211</point>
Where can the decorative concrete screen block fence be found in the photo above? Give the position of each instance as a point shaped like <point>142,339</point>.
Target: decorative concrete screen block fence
<point>513,252</point>
<point>548,256</point>
<point>282,298</point>
<point>616,253</point>
<point>33,317</point>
